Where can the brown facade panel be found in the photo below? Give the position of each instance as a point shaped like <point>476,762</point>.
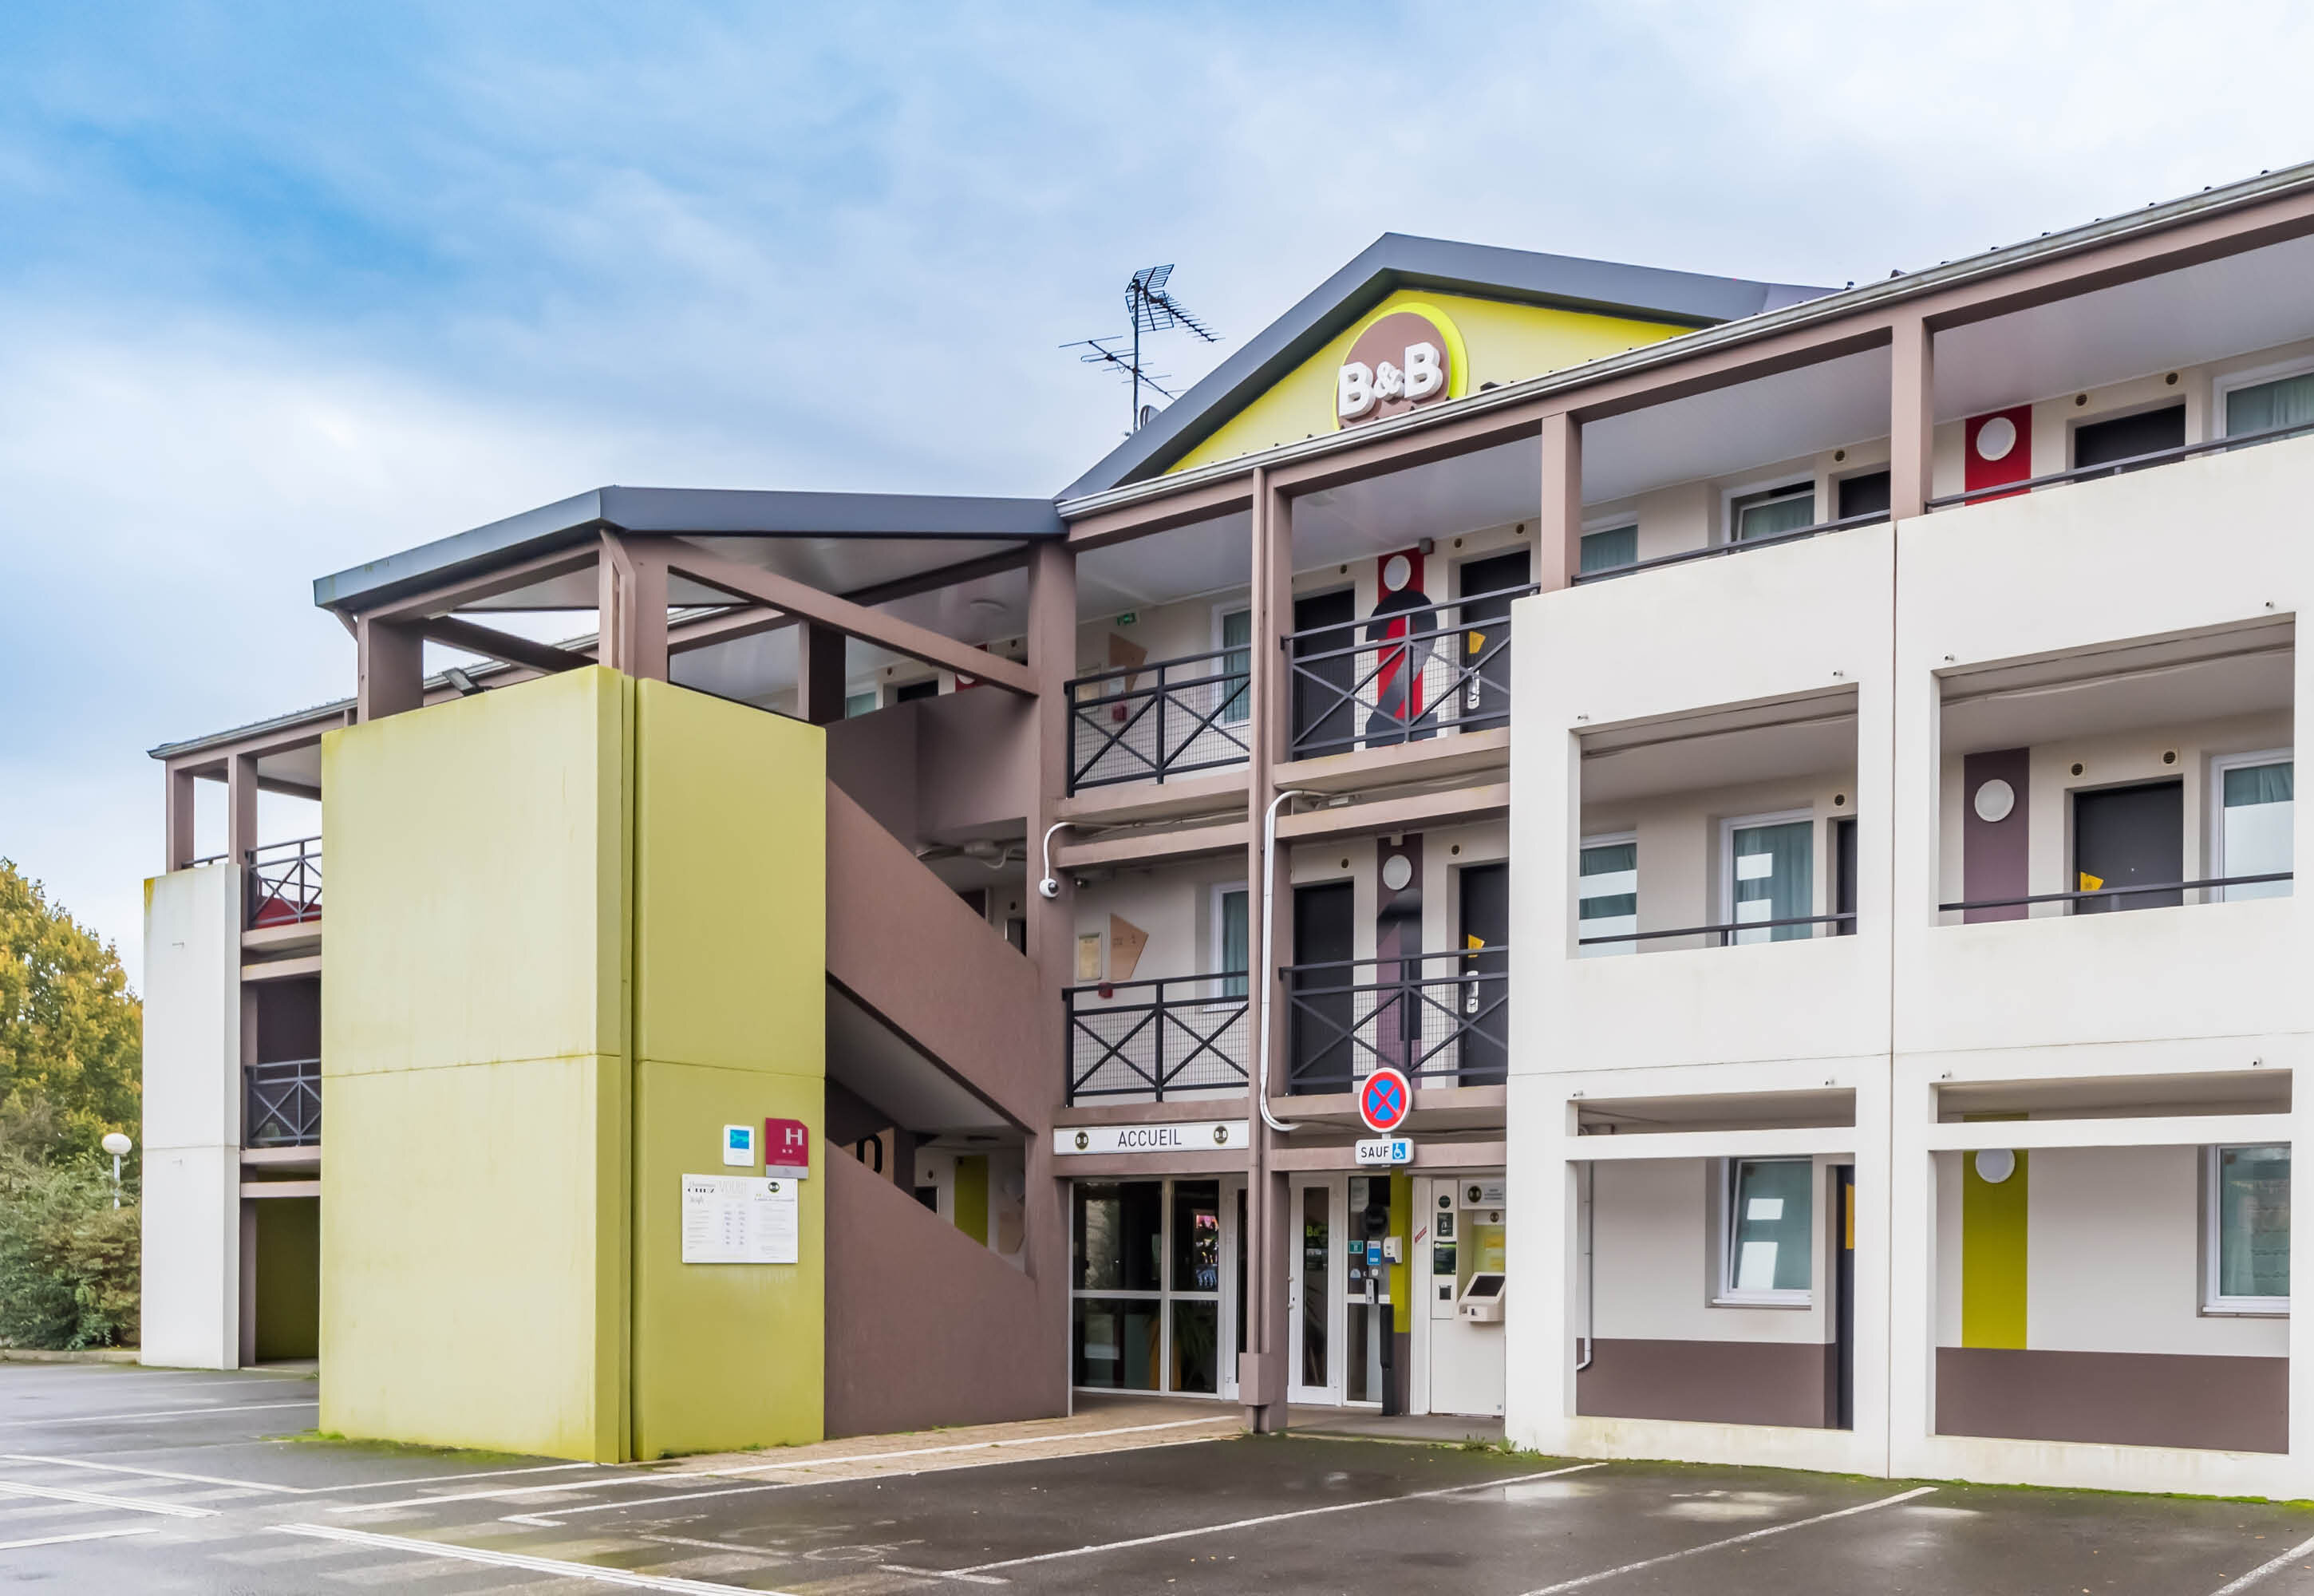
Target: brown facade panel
<point>1723,1383</point>
<point>925,1326</point>
<point>2236,1405</point>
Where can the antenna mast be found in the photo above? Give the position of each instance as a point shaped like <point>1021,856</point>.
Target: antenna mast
<point>1148,308</point>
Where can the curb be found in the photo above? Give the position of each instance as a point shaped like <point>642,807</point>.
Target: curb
<point>94,1354</point>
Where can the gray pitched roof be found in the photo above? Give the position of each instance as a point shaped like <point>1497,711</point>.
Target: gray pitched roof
<point>1397,261</point>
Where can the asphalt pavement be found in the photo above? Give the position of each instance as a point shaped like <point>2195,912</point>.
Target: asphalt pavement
<point>120,1480</point>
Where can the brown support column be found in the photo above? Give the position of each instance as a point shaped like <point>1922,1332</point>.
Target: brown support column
<point>391,673</point>
<point>241,818</point>
<point>1912,419</point>
<point>819,675</point>
<point>1559,529</point>
<point>1262,1370</point>
<point>631,608</point>
<point>1051,926</point>
<point>177,821</point>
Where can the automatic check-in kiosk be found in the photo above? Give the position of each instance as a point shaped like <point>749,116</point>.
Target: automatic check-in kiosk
<point>1466,1287</point>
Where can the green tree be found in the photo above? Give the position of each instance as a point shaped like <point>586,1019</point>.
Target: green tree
<point>71,1032</point>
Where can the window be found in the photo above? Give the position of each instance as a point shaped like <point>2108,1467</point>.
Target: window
<point>858,703</point>
<point>2247,1242</point>
<point>2285,402</point>
<point>1771,874</point>
<point>1609,551</point>
<point>1607,895</point>
<point>1864,495</point>
<point>1230,948</point>
<point>1765,515</point>
<point>2254,806</point>
<point>2125,437</point>
<point>1770,1231</point>
<point>911,691</point>
<point>1237,637</point>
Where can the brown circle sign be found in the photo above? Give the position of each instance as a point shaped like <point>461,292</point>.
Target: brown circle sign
<point>1404,360</point>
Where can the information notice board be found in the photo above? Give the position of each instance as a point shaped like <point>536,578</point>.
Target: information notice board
<point>739,1219</point>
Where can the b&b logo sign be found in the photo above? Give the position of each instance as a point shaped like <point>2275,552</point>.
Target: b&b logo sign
<point>1403,359</point>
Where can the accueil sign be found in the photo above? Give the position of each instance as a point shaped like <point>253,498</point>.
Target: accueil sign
<point>1408,357</point>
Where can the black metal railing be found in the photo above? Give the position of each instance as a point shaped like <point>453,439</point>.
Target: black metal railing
<point>1726,936</point>
<point>1442,1018</point>
<point>2110,468</point>
<point>2108,899</point>
<point>282,1106</point>
<point>1402,677</point>
<point>1738,546</point>
<point>1146,722</point>
<point>1135,1038</point>
<point>284,883</point>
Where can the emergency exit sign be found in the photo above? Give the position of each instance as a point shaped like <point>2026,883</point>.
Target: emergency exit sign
<point>786,1147</point>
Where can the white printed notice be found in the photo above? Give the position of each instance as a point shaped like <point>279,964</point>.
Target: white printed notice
<point>739,1219</point>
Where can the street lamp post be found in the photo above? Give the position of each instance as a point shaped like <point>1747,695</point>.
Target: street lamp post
<point>118,1145</point>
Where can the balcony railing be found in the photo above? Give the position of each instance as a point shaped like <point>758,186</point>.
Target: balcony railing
<point>1146,722</point>
<point>1136,1038</point>
<point>1402,677</point>
<point>1799,928</point>
<point>1716,551</point>
<point>2111,468</point>
<point>282,1107</point>
<point>1442,1018</point>
<point>2107,900</point>
<point>284,883</point>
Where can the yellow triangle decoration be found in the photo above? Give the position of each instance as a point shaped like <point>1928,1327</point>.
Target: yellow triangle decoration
<point>2091,883</point>
<point>1478,641</point>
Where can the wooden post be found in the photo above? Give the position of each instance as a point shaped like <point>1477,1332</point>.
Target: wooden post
<point>1912,418</point>
<point>631,608</point>
<point>1559,528</point>
<point>391,670</point>
<point>819,675</point>
<point>1052,921</point>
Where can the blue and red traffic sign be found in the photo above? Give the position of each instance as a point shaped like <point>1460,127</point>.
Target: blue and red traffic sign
<point>1385,1100</point>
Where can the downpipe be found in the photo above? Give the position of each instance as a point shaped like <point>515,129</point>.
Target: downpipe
<point>1268,890</point>
<point>1590,1337</point>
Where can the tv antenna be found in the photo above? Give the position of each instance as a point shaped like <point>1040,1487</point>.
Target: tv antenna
<point>1150,309</point>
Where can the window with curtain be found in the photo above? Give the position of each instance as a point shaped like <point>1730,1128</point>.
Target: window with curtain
<point>1237,637</point>
<point>1607,895</point>
<point>1772,872</point>
<point>1611,550</point>
<point>1771,1229</point>
<point>1233,923</point>
<point>2254,819</point>
<point>2250,1210</point>
<point>1764,514</point>
<point>2287,402</point>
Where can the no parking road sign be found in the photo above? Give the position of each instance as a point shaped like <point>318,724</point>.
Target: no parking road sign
<point>1385,1100</point>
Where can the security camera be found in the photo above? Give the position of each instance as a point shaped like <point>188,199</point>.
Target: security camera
<point>1048,888</point>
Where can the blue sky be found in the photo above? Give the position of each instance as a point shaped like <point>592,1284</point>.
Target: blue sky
<point>287,287</point>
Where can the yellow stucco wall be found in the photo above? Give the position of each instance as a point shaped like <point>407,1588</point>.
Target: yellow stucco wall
<point>731,982</point>
<point>576,927</point>
<point>1505,342</point>
<point>474,1077</point>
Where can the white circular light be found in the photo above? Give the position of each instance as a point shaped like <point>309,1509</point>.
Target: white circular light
<point>1397,571</point>
<point>1995,1165</point>
<point>1995,438</point>
<point>116,1144</point>
<point>1397,871</point>
<point>1994,800</point>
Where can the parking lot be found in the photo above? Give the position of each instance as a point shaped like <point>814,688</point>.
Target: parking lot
<point>115,1479</point>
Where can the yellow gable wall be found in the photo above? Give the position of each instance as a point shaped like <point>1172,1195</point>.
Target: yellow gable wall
<point>1505,343</point>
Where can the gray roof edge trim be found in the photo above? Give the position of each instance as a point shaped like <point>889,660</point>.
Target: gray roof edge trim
<point>1672,350</point>
<point>1411,260</point>
<point>705,512</point>
<point>336,710</point>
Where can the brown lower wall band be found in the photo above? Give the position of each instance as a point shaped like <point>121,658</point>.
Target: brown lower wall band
<point>2236,1405</point>
<point>1725,1382</point>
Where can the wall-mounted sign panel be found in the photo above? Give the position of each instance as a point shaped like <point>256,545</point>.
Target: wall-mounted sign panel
<point>1173,1136</point>
<point>1385,1151</point>
<point>740,1147</point>
<point>786,1147</point>
<point>739,1219</point>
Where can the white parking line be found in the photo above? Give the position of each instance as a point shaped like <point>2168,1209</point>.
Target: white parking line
<point>252,1485</point>
<point>18,1546</point>
<point>468,1553</point>
<point>1695,1551</point>
<point>171,1413</point>
<point>562,1513</point>
<point>91,1498</point>
<point>508,1492</point>
<point>1268,1518</point>
<point>2276,1565</point>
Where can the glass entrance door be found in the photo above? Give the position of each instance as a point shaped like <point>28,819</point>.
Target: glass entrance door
<point>1313,1306</point>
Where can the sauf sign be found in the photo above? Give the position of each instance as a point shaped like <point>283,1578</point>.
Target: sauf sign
<point>1402,359</point>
